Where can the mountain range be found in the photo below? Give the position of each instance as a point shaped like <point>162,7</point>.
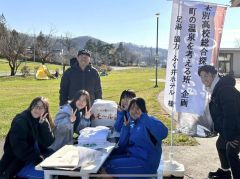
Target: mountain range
<point>142,51</point>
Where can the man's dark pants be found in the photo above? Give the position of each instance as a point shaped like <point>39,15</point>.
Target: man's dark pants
<point>229,156</point>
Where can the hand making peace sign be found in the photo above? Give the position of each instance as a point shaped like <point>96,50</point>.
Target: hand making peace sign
<point>73,116</point>
<point>43,118</point>
<point>88,113</point>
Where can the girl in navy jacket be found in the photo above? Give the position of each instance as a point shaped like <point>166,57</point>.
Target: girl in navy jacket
<point>140,143</point>
<point>122,111</point>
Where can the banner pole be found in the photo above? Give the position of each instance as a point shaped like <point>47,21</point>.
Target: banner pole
<point>171,167</point>
<point>171,146</point>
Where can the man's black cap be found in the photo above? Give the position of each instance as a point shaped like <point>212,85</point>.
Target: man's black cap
<point>84,52</point>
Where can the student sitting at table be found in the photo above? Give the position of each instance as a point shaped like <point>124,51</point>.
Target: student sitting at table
<point>71,118</point>
<point>140,143</point>
<point>122,111</point>
<point>27,140</point>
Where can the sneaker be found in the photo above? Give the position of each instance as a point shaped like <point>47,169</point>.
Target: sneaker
<point>220,174</point>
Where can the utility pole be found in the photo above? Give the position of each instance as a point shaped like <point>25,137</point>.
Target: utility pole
<point>156,57</point>
<point>34,54</point>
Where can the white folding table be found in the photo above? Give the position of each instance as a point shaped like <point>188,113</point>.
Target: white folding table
<point>84,171</point>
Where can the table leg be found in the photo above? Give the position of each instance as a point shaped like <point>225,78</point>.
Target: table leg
<point>85,177</point>
<point>47,175</point>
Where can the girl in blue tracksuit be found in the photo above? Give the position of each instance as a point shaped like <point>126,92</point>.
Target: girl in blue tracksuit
<point>140,143</point>
<point>122,111</point>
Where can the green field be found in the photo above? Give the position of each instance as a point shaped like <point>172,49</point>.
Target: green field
<point>17,93</point>
<point>4,67</point>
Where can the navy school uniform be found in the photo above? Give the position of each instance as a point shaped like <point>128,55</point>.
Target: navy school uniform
<point>120,119</point>
<point>139,149</point>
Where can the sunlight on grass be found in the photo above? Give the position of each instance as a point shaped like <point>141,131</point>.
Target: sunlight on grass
<point>4,67</point>
<point>17,93</point>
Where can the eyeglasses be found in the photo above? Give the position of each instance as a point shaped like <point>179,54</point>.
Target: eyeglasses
<point>39,107</point>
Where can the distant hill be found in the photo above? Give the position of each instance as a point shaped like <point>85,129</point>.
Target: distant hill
<point>144,54</point>
<point>141,51</point>
<point>81,41</point>
<point>146,51</point>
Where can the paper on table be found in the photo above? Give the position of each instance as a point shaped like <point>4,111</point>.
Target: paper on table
<point>71,157</point>
<point>99,146</point>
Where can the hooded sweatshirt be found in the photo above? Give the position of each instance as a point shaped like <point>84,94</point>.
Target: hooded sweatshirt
<point>65,128</point>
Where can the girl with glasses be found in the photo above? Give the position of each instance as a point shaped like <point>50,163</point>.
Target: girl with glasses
<point>27,141</point>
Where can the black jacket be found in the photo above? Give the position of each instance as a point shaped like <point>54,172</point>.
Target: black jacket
<point>225,108</point>
<point>74,79</point>
<point>20,144</point>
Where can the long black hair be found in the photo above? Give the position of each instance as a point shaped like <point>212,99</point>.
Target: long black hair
<point>46,108</point>
<point>140,102</point>
<point>129,93</point>
<point>77,97</point>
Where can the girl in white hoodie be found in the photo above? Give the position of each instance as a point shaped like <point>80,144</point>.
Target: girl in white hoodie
<point>71,118</point>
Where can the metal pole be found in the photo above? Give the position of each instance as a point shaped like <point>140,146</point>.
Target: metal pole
<point>34,47</point>
<point>63,65</point>
<point>63,69</point>
<point>156,58</point>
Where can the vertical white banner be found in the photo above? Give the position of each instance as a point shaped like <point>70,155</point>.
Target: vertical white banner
<point>194,40</point>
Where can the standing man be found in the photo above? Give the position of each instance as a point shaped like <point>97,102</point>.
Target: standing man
<point>80,76</point>
<point>225,111</point>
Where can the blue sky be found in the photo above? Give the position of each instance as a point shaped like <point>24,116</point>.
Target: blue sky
<point>109,20</point>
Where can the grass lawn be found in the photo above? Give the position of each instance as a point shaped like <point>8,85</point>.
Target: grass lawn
<point>17,93</point>
<point>4,67</point>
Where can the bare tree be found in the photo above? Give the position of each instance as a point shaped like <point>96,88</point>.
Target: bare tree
<point>12,47</point>
<point>68,43</point>
<point>68,48</point>
<point>45,46</point>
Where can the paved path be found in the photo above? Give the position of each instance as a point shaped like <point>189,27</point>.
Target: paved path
<point>122,68</point>
<point>197,160</point>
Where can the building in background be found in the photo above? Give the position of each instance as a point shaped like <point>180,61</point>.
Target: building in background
<point>229,61</point>
<point>235,3</point>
